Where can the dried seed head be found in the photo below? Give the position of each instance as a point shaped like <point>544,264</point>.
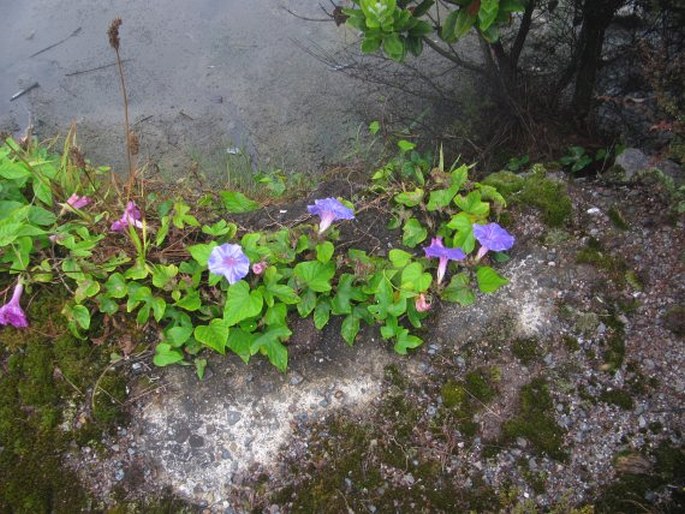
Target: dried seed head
<point>77,157</point>
<point>133,143</point>
<point>339,17</point>
<point>113,33</point>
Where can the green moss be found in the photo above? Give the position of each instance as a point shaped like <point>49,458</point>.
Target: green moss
<point>617,218</point>
<point>109,399</point>
<point>617,397</point>
<point>466,397</point>
<point>506,182</point>
<point>43,378</point>
<point>548,196</point>
<point>536,190</point>
<point>479,383</point>
<point>30,462</point>
<point>537,480</point>
<point>393,375</point>
<point>463,399</point>
<point>571,344</point>
<point>593,253</point>
<point>535,421</point>
<point>526,350</point>
<point>674,320</point>
<point>453,395</point>
<point>615,352</point>
<point>628,493</point>
<point>405,415</point>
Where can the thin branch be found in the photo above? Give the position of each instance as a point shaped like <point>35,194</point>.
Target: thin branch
<point>298,16</point>
<point>453,56</point>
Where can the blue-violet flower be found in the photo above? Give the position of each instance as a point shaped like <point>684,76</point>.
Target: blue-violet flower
<point>437,249</point>
<point>330,210</point>
<point>11,313</point>
<point>492,237</point>
<point>131,216</point>
<point>230,261</point>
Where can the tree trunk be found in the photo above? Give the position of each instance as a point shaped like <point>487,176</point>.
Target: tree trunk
<point>597,15</point>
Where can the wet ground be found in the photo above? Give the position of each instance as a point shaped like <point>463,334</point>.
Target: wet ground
<point>202,77</point>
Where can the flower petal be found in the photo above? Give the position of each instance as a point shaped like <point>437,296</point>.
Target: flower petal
<point>230,261</point>
<point>493,237</point>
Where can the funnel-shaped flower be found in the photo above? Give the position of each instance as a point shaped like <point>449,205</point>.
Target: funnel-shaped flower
<point>330,210</point>
<point>437,249</point>
<point>230,261</point>
<point>422,305</point>
<point>75,202</point>
<point>78,202</point>
<point>131,216</point>
<point>492,237</point>
<point>11,313</point>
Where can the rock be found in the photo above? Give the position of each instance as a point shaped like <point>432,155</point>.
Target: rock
<point>296,378</point>
<point>631,161</point>
<point>233,417</point>
<point>196,441</point>
<point>671,169</point>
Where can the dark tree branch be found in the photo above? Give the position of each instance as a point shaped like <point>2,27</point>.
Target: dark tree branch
<point>522,33</point>
<point>454,57</point>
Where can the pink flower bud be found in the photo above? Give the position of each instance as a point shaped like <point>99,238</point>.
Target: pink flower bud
<point>422,305</point>
<point>259,267</point>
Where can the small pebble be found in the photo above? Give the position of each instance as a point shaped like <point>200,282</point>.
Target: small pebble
<point>296,378</point>
<point>233,417</point>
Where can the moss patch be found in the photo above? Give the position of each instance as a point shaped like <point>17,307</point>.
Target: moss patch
<point>630,492</point>
<point>674,320</point>
<point>526,350</point>
<point>615,350</point>
<point>462,399</point>
<point>46,375</point>
<point>617,218</point>
<point>535,421</point>
<point>618,397</point>
<point>506,182</point>
<point>353,471</point>
<point>594,253</point>
<point>42,374</point>
<point>548,196</point>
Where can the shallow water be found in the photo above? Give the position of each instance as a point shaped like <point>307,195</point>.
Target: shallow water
<point>202,76</point>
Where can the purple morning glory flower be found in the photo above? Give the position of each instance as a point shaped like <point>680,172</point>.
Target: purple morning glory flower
<point>492,237</point>
<point>131,216</point>
<point>437,249</point>
<point>329,209</point>
<point>230,261</point>
<point>11,313</point>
